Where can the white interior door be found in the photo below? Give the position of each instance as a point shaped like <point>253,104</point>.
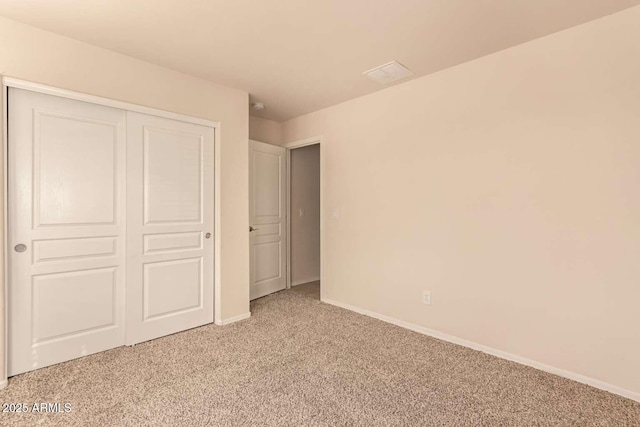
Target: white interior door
<point>66,229</point>
<point>169,226</point>
<point>267,207</point>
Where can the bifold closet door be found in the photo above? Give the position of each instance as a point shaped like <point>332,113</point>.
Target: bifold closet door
<point>66,214</point>
<point>169,226</point>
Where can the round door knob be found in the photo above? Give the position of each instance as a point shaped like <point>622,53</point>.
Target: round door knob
<point>20,247</point>
<point>207,236</point>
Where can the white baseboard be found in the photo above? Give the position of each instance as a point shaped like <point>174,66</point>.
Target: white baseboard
<point>4,383</point>
<point>234,319</point>
<point>303,281</point>
<point>492,351</point>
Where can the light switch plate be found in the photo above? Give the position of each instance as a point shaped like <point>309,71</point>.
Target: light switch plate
<point>426,297</point>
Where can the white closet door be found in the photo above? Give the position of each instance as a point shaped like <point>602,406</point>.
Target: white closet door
<point>267,206</point>
<point>169,226</point>
<point>66,229</point>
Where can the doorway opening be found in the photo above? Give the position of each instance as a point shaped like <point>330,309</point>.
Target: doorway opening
<point>285,212</point>
<point>303,260</point>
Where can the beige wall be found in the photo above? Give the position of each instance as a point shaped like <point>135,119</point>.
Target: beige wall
<point>305,229</point>
<point>264,130</point>
<point>35,55</point>
<point>509,188</point>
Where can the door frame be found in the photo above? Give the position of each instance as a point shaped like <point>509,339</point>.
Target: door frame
<point>292,146</point>
<point>9,82</point>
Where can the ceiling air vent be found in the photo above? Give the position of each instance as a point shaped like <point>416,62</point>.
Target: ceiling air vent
<point>388,73</point>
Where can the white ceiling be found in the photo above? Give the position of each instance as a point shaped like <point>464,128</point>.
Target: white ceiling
<point>298,56</point>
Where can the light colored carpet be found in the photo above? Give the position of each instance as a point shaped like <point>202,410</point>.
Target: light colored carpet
<point>300,362</point>
<point>311,289</point>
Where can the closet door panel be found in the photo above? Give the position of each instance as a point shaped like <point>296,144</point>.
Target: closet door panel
<point>170,226</point>
<point>66,215</point>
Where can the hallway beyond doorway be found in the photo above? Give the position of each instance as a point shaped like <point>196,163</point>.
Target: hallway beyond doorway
<point>310,290</point>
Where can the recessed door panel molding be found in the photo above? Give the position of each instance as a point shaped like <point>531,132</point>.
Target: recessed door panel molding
<point>267,258</point>
<point>65,189</point>
<point>73,303</point>
<point>173,176</point>
<point>267,207</point>
<point>172,287</point>
<point>66,258</point>
<point>169,210</point>
<point>66,250</point>
<point>266,230</point>
<point>172,242</point>
<point>267,177</point>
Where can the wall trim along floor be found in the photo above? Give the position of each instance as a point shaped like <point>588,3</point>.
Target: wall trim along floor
<point>233,319</point>
<point>492,351</point>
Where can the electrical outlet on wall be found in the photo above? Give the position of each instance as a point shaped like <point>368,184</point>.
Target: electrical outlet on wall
<point>426,297</point>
